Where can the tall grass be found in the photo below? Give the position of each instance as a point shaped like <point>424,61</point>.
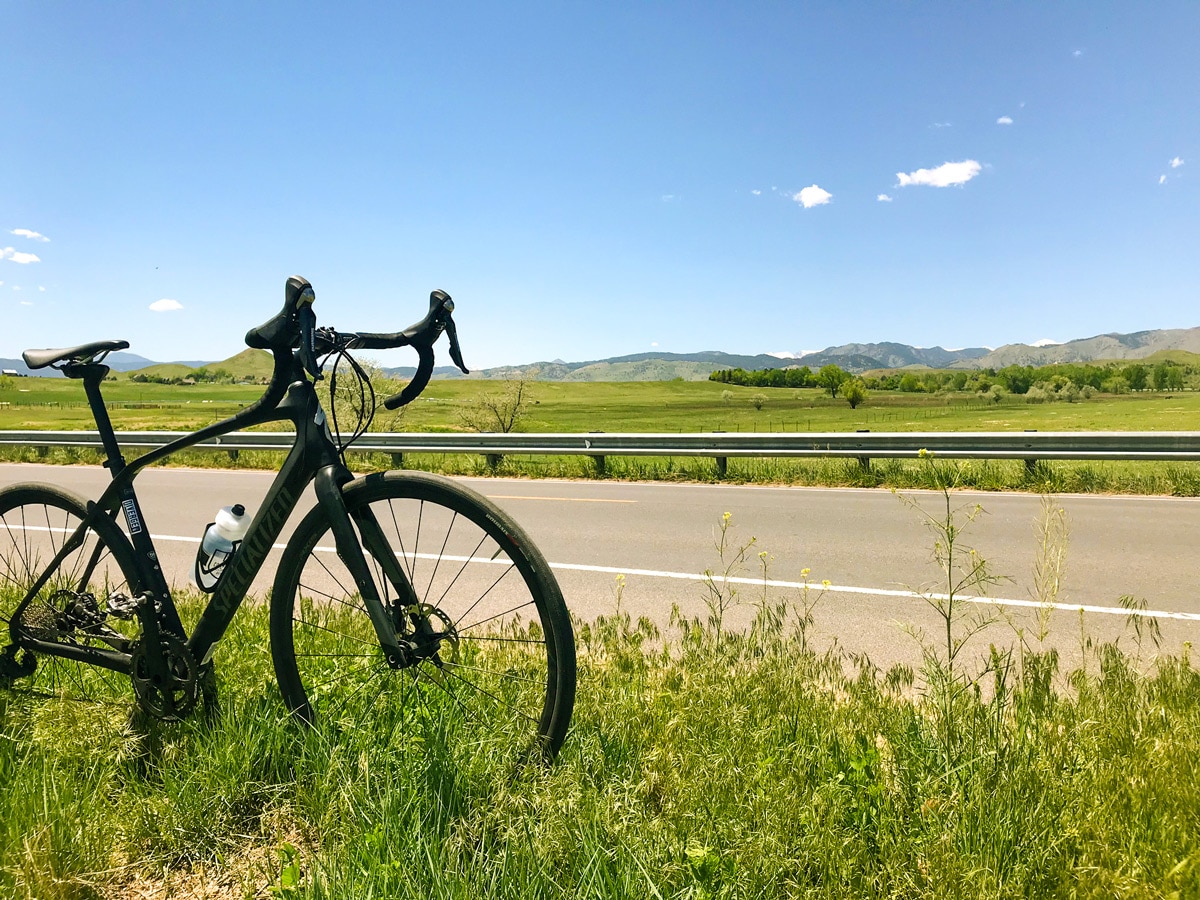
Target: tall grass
<point>702,762</point>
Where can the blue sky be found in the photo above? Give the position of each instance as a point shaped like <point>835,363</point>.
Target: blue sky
<point>596,179</point>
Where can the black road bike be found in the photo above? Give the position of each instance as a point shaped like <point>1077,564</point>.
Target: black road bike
<point>399,592</point>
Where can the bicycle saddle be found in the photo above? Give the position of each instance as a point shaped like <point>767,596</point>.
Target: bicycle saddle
<point>84,353</point>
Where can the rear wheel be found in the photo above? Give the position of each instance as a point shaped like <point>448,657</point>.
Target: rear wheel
<point>490,664</point>
<point>36,522</point>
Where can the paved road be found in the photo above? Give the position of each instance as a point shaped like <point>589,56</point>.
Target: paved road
<point>870,546</point>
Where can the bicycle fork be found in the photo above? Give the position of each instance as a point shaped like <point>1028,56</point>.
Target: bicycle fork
<point>352,551</point>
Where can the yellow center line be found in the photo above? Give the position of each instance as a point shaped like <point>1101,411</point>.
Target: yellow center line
<point>559,499</point>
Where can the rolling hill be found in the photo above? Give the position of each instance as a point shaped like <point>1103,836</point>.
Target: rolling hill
<point>1154,345</point>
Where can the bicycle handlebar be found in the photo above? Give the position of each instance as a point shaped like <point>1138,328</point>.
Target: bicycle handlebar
<point>421,336</point>
<point>294,328</point>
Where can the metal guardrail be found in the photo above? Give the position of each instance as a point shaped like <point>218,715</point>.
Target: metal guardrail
<point>1027,445</point>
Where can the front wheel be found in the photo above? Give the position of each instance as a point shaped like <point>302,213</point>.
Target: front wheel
<point>491,661</point>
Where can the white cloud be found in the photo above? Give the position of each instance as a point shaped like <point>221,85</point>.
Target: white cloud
<point>1175,163</point>
<point>812,196</point>
<point>654,343</point>
<point>26,303</point>
<point>783,354</point>
<point>1004,120</point>
<point>667,198</point>
<point>883,198</point>
<point>32,235</point>
<point>756,193</point>
<point>941,125</point>
<point>165,305</point>
<point>41,289</point>
<point>1046,342</point>
<point>1162,179</point>
<point>1077,53</point>
<point>945,175</point>
<point>18,257</point>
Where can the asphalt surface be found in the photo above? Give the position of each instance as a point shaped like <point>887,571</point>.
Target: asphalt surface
<point>870,546</point>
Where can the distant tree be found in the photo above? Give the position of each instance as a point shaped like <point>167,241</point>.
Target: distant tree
<point>499,410</point>
<point>758,400</point>
<point>1136,375</point>
<point>854,392</point>
<point>831,377</point>
<point>1167,377</point>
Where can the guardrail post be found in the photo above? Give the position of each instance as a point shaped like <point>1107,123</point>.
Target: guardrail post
<point>233,454</point>
<point>397,460</point>
<point>1030,463</point>
<point>864,461</point>
<point>722,461</point>
<point>493,460</point>
<point>598,460</point>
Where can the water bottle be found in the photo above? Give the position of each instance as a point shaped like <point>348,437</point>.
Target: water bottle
<point>216,547</point>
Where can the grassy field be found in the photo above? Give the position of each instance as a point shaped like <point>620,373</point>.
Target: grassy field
<point>701,764</point>
<point>677,406</point>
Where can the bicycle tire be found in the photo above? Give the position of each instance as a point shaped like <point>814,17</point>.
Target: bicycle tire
<point>495,674</point>
<point>36,521</point>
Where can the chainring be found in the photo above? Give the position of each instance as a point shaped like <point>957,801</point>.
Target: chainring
<point>172,697</point>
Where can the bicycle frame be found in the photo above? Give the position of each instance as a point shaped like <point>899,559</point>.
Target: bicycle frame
<point>313,458</point>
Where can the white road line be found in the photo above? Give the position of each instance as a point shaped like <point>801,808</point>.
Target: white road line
<point>887,592</point>
<point>773,583</point>
<point>559,499</point>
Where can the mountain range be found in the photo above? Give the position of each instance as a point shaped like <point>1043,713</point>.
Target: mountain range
<point>655,366</point>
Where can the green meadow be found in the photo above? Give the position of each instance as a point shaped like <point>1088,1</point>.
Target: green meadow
<point>671,406</point>
<point>647,406</point>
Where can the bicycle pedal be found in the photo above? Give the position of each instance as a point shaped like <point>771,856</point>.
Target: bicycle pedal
<point>122,607</point>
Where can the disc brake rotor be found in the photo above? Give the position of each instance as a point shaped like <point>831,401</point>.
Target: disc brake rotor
<point>432,628</point>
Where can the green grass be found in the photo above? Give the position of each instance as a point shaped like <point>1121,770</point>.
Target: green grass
<point>675,406</point>
<point>671,406</point>
<point>700,764</point>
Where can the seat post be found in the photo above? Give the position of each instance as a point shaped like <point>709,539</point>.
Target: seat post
<point>92,374</point>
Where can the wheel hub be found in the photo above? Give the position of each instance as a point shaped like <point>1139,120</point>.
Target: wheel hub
<point>429,634</point>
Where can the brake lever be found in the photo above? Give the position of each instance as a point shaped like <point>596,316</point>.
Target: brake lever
<point>307,353</point>
<point>455,350</point>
